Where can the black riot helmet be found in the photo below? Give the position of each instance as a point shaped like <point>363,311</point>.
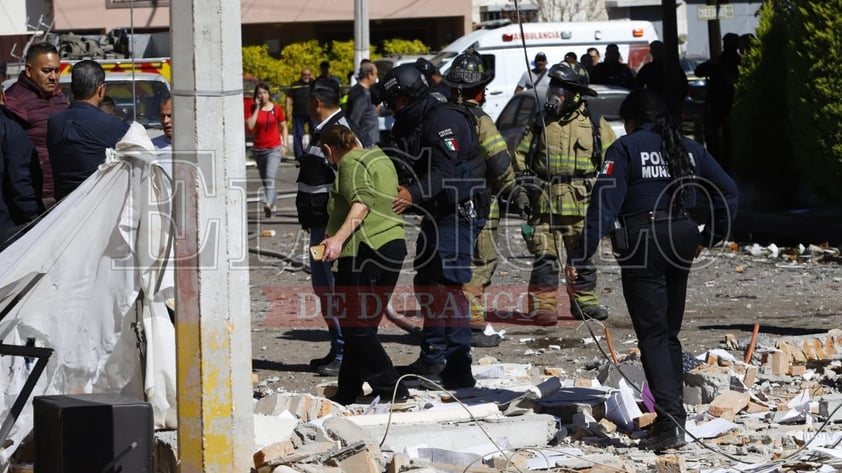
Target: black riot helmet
<point>470,70</point>
<point>404,80</point>
<point>428,69</point>
<point>562,75</point>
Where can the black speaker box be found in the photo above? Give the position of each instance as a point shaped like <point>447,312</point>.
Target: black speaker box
<point>93,433</point>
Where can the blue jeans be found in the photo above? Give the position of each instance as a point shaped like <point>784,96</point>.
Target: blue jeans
<point>443,263</point>
<point>298,134</point>
<point>268,160</point>
<point>321,277</point>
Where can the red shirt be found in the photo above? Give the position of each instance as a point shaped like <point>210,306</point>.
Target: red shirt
<point>266,133</point>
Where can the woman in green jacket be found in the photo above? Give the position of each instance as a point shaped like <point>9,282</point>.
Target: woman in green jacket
<point>367,240</point>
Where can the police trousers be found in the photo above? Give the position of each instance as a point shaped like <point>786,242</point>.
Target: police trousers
<point>443,264</point>
<point>654,272</point>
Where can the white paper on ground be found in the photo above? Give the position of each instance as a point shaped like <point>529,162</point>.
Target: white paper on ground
<point>712,429</point>
<point>621,408</point>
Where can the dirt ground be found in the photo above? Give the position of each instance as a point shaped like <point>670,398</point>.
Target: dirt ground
<point>730,290</point>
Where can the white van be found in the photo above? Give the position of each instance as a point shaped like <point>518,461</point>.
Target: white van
<point>552,39</point>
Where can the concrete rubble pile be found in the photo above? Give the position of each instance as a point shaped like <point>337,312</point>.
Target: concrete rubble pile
<point>779,412</point>
<point>812,253</point>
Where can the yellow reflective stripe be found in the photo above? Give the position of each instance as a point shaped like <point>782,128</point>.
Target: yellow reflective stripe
<point>568,207</point>
<point>494,144</point>
<point>567,164</point>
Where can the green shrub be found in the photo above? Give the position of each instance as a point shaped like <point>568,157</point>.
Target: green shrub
<point>402,46</point>
<point>787,118</point>
<point>761,151</point>
<point>294,57</point>
<point>814,95</point>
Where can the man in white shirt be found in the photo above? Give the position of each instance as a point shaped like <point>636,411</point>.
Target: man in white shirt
<point>538,74</point>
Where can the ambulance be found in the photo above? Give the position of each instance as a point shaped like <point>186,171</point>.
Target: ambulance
<point>506,43</point>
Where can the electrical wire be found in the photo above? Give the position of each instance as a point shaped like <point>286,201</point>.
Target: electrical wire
<point>498,448</point>
<point>587,319</point>
<point>695,439</point>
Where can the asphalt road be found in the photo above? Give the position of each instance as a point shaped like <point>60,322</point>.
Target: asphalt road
<point>729,291</point>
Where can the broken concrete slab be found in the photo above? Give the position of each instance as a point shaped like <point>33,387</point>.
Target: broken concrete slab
<point>346,431</point>
<point>304,407</point>
<point>519,432</point>
<point>271,429</point>
<point>830,407</point>
<point>567,402</point>
<point>703,384</point>
<point>443,413</point>
<point>610,375</point>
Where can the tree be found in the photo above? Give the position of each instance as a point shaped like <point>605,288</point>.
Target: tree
<point>787,119</point>
<point>571,10</point>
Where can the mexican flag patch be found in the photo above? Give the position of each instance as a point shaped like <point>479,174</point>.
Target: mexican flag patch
<point>451,144</point>
<point>607,168</point>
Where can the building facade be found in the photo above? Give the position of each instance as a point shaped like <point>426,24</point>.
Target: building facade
<point>435,22</point>
<point>273,22</point>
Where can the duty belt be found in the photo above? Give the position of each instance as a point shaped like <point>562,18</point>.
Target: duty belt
<point>646,218</point>
<point>565,178</point>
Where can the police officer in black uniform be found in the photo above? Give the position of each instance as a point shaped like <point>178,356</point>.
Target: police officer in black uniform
<point>650,180</point>
<point>442,172</point>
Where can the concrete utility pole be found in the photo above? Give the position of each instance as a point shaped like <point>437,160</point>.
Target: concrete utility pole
<point>361,35</point>
<point>213,324</point>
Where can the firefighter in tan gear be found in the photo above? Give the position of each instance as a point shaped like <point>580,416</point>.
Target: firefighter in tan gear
<point>563,163</point>
<point>467,78</point>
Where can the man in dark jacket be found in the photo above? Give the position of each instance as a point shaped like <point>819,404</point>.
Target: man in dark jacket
<point>33,98</point>
<point>19,203</point>
<point>77,137</point>
<point>315,179</point>
<point>362,114</point>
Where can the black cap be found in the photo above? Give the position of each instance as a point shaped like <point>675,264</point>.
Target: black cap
<point>540,57</point>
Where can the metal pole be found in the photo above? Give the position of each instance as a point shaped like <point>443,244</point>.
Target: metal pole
<point>361,34</point>
<point>714,32</point>
<point>671,56</point>
<point>213,323</point>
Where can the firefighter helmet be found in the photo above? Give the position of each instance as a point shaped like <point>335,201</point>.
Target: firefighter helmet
<point>470,70</point>
<point>562,75</point>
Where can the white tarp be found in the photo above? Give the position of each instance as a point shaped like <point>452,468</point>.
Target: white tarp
<point>102,251</point>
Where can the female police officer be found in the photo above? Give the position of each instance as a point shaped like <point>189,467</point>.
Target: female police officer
<point>650,180</point>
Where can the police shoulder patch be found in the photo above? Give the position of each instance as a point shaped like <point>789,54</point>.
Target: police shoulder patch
<point>607,168</point>
<point>451,144</point>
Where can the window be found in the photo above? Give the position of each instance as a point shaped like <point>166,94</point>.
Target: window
<point>136,3</point>
<point>528,13</point>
